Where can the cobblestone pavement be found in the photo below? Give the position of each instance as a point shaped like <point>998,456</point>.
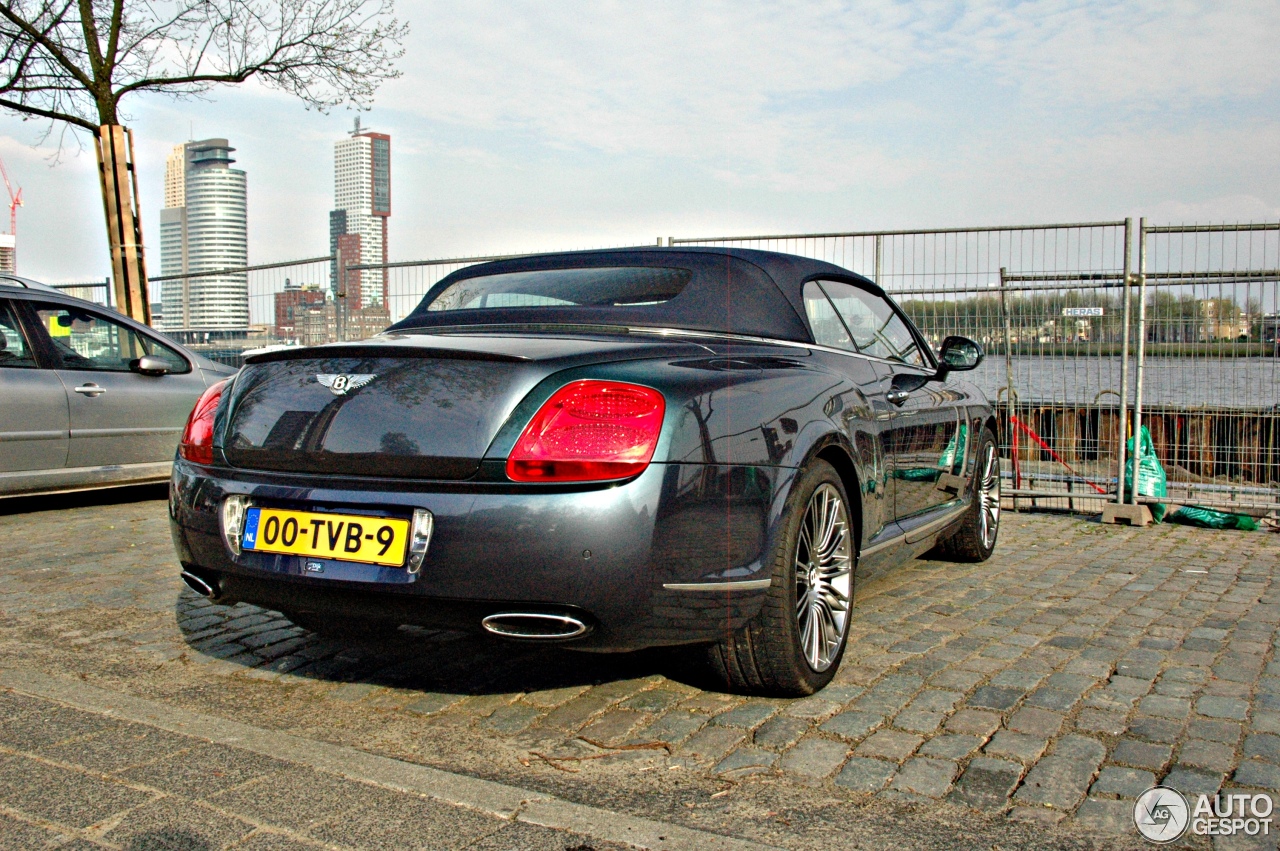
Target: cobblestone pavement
<point>1024,702</point>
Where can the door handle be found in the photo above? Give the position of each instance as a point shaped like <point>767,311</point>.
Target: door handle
<point>897,397</point>
<point>91,390</point>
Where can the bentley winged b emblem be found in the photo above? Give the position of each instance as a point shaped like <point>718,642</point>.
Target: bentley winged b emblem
<point>341,385</point>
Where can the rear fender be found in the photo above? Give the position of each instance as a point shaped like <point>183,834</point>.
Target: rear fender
<point>821,441</point>
<point>765,411</point>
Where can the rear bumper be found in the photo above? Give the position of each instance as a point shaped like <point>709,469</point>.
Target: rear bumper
<point>603,555</point>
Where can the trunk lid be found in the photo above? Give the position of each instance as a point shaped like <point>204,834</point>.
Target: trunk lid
<point>402,406</point>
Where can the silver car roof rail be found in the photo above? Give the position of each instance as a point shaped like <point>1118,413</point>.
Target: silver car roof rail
<point>28,283</point>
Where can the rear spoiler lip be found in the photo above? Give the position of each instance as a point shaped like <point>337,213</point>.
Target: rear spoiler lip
<point>435,342</point>
<point>381,350</point>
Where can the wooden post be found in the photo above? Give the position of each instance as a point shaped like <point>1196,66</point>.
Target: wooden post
<point>119,180</point>
<point>1108,435</point>
<point>1200,444</point>
<point>1066,433</point>
<point>1029,451</point>
<point>1208,451</point>
<point>1250,431</point>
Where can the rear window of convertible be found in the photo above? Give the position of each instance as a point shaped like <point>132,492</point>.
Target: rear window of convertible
<point>605,286</point>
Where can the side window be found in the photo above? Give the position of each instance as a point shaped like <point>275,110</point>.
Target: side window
<point>828,330</point>
<point>14,351</point>
<point>85,340</point>
<point>877,329</point>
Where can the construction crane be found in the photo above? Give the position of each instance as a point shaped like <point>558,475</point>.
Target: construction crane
<point>15,201</point>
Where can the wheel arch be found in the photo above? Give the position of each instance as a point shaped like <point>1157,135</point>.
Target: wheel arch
<point>835,452</point>
<point>989,421</point>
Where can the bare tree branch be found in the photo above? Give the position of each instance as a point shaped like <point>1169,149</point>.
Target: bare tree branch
<point>113,38</point>
<point>72,61</point>
<point>27,109</point>
<point>45,40</point>
<point>75,60</point>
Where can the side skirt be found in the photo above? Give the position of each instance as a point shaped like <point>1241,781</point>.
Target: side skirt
<point>38,482</point>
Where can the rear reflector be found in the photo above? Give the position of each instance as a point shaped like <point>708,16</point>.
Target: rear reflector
<point>197,438</point>
<point>589,431</point>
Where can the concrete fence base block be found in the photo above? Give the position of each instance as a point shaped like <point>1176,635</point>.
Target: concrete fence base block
<point>1134,515</point>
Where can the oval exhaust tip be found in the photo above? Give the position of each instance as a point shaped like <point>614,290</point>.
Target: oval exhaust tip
<point>534,625</point>
<point>195,583</point>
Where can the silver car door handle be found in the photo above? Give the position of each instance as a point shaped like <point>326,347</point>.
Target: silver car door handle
<point>91,390</point>
<point>897,397</point>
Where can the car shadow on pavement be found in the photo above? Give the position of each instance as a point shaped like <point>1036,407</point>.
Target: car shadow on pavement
<point>432,661</point>
<point>82,499</point>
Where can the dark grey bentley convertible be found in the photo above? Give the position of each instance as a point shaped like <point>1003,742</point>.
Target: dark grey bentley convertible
<point>611,449</point>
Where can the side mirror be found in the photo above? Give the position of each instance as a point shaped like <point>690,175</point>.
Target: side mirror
<point>151,365</point>
<point>959,354</point>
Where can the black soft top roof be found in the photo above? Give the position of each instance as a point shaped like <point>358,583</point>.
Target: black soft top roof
<point>732,290</point>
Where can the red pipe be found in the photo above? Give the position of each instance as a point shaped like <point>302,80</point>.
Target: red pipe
<point>1021,425</point>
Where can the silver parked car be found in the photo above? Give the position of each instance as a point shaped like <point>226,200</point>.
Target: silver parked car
<point>88,397</point>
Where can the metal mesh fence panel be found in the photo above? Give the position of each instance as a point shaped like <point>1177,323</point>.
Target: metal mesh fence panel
<point>1210,383</point>
<point>281,298</point>
<point>98,292</point>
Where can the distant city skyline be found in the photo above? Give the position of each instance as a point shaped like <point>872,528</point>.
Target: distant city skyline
<point>589,125</point>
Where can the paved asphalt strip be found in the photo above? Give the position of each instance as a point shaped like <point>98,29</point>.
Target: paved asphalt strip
<point>498,799</point>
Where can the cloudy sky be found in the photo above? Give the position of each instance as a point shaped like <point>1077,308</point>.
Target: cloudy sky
<point>524,126</point>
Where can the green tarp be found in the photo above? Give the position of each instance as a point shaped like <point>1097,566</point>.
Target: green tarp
<point>1152,482</point>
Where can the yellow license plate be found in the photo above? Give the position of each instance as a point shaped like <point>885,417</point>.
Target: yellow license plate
<point>346,537</point>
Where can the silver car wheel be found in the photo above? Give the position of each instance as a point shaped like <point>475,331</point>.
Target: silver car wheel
<point>989,498</point>
<point>824,577</point>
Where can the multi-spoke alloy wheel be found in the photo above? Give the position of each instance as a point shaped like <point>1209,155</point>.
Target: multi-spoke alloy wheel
<point>975,538</point>
<point>823,577</point>
<point>989,497</point>
<point>793,646</point>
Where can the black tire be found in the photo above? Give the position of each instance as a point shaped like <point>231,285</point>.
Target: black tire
<point>973,540</point>
<point>768,656</point>
<point>344,627</point>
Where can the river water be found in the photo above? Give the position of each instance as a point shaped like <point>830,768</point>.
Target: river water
<point>1177,382</point>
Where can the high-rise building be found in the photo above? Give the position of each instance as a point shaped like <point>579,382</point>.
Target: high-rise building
<point>204,227</point>
<point>362,205</point>
<point>175,174</point>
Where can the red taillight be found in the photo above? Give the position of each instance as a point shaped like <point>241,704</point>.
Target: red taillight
<point>589,431</point>
<point>197,438</point>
